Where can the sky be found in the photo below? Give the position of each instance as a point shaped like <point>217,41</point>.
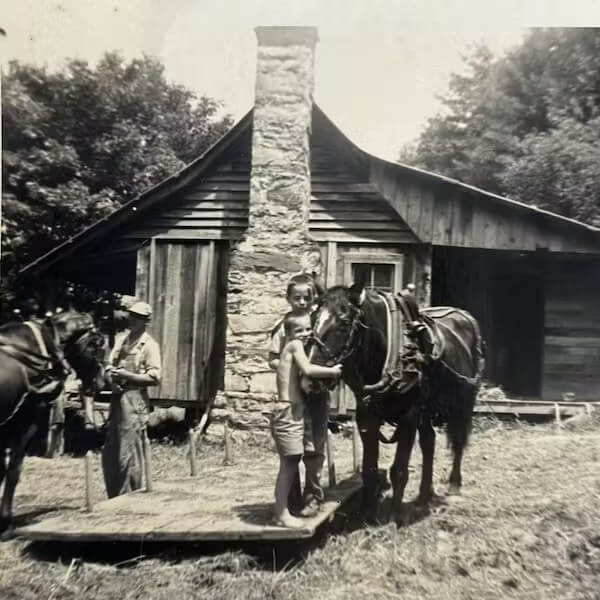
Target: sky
<point>380,64</point>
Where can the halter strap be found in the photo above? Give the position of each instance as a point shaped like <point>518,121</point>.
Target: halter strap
<point>37,334</point>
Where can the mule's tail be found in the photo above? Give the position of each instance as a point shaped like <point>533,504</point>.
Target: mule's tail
<point>461,418</point>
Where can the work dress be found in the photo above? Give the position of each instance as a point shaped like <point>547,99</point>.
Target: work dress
<point>122,454</point>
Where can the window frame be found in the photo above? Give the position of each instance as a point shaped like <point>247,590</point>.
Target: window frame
<point>394,259</point>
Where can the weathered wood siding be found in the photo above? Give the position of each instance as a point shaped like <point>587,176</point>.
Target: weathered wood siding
<point>185,282</point>
<point>572,331</point>
<point>443,215</point>
<point>344,206</point>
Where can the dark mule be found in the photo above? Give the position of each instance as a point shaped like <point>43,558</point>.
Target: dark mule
<point>32,373</point>
<point>351,327</point>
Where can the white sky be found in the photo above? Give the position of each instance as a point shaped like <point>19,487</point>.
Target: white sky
<point>379,63</point>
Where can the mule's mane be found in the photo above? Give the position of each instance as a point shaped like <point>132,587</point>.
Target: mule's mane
<point>336,297</point>
<point>340,296</point>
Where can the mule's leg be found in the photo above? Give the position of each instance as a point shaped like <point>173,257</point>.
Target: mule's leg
<point>368,427</point>
<point>405,433</point>
<point>17,453</point>
<point>455,480</point>
<point>427,444</point>
<point>2,463</point>
<point>459,428</point>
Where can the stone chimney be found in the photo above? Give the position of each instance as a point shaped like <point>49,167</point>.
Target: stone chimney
<point>277,242</point>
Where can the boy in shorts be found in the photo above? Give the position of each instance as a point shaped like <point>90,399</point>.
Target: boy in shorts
<point>287,425</point>
<point>301,295</point>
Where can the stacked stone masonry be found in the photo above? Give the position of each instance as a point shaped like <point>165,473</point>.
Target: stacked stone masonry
<point>277,242</point>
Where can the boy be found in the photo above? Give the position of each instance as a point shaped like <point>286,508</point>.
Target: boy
<point>287,425</point>
<point>301,295</point>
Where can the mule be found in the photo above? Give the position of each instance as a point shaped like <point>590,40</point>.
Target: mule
<point>32,374</point>
<point>352,326</point>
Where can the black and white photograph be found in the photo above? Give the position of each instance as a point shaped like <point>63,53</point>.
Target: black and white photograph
<point>300,299</point>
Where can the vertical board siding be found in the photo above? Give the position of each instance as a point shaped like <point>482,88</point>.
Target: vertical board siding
<point>572,332</point>
<point>185,334</point>
<point>142,270</point>
<point>170,321</point>
<point>444,215</point>
<point>187,294</point>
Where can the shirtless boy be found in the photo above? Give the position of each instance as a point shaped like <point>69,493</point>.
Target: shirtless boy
<point>287,425</point>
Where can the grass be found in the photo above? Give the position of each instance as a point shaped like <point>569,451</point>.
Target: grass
<point>527,526</point>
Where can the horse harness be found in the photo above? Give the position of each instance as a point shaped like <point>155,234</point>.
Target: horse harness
<point>41,362</point>
<point>406,363</point>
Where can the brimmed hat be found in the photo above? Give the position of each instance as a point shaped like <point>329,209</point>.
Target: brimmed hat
<point>141,309</point>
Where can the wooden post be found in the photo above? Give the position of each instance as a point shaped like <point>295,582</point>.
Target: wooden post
<point>89,505</point>
<point>588,409</point>
<point>228,451</point>
<point>147,453</point>
<point>557,421</point>
<point>88,407</point>
<point>192,447</point>
<point>330,460</point>
<point>423,275</point>
<point>356,447</point>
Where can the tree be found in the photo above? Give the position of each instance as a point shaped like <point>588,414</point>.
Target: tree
<point>523,125</point>
<point>79,142</point>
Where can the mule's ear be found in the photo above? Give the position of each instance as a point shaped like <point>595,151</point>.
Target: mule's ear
<point>319,284</point>
<point>358,293</point>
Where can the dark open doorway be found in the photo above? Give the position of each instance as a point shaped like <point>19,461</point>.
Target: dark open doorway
<point>505,292</point>
<point>519,322</point>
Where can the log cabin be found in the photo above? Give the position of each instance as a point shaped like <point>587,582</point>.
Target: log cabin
<point>212,246</point>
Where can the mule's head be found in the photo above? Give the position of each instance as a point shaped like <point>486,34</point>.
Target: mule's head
<point>335,324</point>
<point>83,346</point>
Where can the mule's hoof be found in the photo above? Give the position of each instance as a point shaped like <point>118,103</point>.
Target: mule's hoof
<point>403,516</point>
<point>426,499</point>
<point>453,490</point>
<point>7,530</point>
<point>369,516</point>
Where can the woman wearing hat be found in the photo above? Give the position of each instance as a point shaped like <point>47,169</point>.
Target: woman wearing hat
<point>134,365</point>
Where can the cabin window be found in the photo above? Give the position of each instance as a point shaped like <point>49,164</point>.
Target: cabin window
<point>374,276</point>
<point>381,271</point>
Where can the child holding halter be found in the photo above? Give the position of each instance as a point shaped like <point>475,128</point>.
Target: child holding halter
<point>287,425</point>
<point>301,295</point>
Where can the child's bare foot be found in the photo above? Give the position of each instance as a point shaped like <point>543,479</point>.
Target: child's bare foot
<point>285,519</point>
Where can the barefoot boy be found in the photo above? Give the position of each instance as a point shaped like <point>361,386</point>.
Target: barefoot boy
<point>287,425</point>
<point>301,294</point>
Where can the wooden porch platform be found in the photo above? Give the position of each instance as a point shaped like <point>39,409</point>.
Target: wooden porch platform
<point>186,510</point>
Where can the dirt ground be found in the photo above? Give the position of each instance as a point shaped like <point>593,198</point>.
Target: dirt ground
<point>527,526</point>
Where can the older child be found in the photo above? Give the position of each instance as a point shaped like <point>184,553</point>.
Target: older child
<point>302,295</point>
<point>287,425</point>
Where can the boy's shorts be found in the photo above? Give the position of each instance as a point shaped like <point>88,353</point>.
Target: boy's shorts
<point>287,428</point>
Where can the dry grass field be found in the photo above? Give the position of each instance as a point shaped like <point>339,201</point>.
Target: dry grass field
<point>527,526</point>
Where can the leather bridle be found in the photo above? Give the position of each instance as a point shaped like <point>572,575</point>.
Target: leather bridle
<point>348,348</point>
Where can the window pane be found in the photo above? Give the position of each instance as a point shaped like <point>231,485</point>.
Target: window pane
<point>380,276</point>
<point>383,277</point>
<point>362,273</point>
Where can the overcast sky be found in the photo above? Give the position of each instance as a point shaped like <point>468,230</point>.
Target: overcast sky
<point>379,63</point>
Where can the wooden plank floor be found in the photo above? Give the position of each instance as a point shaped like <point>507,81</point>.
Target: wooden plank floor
<point>222,505</point>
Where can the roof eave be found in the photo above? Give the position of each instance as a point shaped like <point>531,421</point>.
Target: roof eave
<point>142,202</point>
